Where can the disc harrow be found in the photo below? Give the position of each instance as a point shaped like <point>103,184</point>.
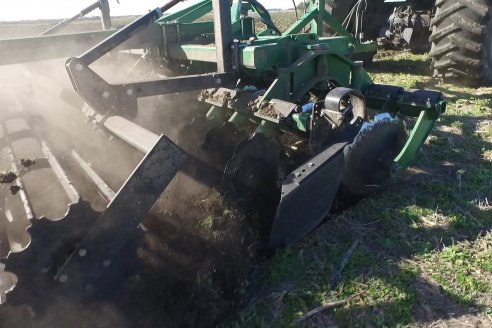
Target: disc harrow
<point>283,125</point>
<point>38,188</point>
<point>253,171</point>
<point>220,143</point>
<point>375,146</point>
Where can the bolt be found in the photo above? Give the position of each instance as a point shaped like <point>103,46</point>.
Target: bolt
<point>218,81</point>
<point>79,67</point>
<point>63,278</point>
<point>82,252</point>
<point>297,174</point>
<point>105,94</point>
<point>311,164</point>
<point>129,92</point>
<point>106,263</point>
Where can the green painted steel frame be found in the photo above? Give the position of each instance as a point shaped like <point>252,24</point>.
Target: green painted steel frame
<point>312,67</point>
<point>423,127</point>
<point>314,17</point>
<point>299,61</point>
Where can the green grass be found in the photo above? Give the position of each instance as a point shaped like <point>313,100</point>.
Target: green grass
<point>425,250</point>
<point>464,270</point>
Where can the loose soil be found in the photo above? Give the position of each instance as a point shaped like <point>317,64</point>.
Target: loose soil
<point>7,177</point>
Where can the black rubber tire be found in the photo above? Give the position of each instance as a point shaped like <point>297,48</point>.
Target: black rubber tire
<point>461,41</point>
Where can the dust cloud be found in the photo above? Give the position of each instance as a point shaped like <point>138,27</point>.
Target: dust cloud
<point>197,247</point>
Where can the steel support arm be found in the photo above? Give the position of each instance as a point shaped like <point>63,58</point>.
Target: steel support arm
<point>122,99</point>
<point>223,35</point>
<point>179,84</point>
<point>99,94</point>
<point>423,127</point>
<point>124,34</point>
<point>67,21</point>
<point>119,37</point>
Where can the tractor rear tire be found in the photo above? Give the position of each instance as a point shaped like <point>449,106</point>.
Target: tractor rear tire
<point>462,41</point>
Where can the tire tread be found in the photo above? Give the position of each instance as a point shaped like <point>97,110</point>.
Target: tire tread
<point>459,34</point>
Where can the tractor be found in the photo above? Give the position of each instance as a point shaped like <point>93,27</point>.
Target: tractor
<point>457,33</point>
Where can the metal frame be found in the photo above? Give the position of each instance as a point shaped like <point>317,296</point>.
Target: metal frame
<point>322,59</point>
<point>103,5</point>
<point>80,73</point>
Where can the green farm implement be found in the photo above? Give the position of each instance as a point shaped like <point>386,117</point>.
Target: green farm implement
<point>285,124</point>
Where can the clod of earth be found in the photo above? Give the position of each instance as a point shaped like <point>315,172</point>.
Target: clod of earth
<point>27,163</point>
<point>7,177</point>
<point>14,190</point>
<point>268,111</point>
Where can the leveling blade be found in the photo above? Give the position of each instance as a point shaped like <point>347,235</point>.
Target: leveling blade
<point>309,191</point>
<point>119,222</point>
<point>307,196</point>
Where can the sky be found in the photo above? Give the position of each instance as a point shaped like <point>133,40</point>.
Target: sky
<point>13,10</point>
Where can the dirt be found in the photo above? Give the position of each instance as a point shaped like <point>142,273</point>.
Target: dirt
<point>14,190</point>
<point>7,177</point>
<point>435,309</point>
<point>27,163</point>
<point>189,270</point>
<point>268,111</point>
<point>197,254</point>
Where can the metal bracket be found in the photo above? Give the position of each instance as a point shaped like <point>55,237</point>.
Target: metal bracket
<point>350,99</point>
